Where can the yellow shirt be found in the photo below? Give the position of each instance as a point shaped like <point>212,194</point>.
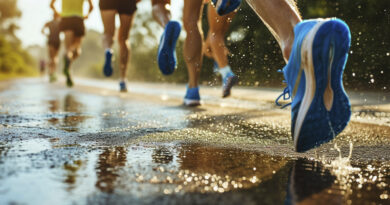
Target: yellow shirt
<point>72,8</point>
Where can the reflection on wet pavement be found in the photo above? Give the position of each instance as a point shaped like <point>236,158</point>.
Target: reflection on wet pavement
<point>110,161</point>
<point>60,146</point>
<point>308,180</point>
<point>176,173</point>
<point>72,111</point>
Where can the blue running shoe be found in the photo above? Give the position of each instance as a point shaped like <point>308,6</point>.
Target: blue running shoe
<point>192,97</point>
<point>122,87</point>
<point>228,82</point>
<point>225,6</point>
<point>320,107</point>
<point>166,56</point>
<point>107,69</point>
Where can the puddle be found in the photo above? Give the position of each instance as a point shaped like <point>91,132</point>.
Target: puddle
<point>67,110</point>
<point>32,146</point>
<point>182,173</point>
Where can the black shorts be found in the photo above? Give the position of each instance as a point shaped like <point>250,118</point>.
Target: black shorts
<point>75,24</point>
<point>154,2</point>
<point>54,43</point>
<point>121,6</point>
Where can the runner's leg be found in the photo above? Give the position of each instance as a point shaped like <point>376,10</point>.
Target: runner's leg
<point>123,35</point>
<point>280,16</point>
<point>193,43</point>
<point>161,12</point>
<point>53,59</point>
<point>219,25</point>
<point>108,19</point>
<point>69,36</point>
<point>53,54</point>
<point>68,57</point>
<point>76,47</point>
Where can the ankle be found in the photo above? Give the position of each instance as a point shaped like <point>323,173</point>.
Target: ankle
<point>192,85</point>
<point>225,71</point>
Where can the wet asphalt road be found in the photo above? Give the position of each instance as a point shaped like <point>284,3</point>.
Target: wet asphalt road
<point>93,145</point>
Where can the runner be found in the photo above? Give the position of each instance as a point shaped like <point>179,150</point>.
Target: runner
<point>72,24</point>
<point>53,44</point>
<point>316,52</point>
<point>126,10</point>
<point>193,44</point>
<point>214,47</point>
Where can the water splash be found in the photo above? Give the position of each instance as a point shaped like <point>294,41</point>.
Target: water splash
<point>343,170</point>
<point>341,166</point>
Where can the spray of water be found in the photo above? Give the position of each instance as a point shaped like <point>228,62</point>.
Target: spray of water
<point>343,170</point>
<point>341,166</point>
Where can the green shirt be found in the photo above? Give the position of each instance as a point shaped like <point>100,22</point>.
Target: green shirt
<point>72,8</point>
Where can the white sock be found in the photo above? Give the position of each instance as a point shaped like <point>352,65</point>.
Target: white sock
<point>109,50</point>
<point>225,70</point>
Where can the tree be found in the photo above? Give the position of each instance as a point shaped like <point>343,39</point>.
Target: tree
<point>9,12</point>
<point>14,61</point>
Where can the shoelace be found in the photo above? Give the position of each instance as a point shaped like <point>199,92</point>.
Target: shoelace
<point>286,94</point>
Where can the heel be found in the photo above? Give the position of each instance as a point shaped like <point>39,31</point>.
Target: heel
<point>340,113</point>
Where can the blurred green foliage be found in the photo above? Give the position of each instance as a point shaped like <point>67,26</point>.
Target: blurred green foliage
<point>14,61</point>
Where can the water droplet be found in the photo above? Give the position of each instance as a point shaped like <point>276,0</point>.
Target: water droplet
<point>384,196</point>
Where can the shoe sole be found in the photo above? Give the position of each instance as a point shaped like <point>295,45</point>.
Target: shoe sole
<point>191,103</point>
<point>230,83</point>
<point>325,109</point>
<point>166,55</point>
<point>107,69</point>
